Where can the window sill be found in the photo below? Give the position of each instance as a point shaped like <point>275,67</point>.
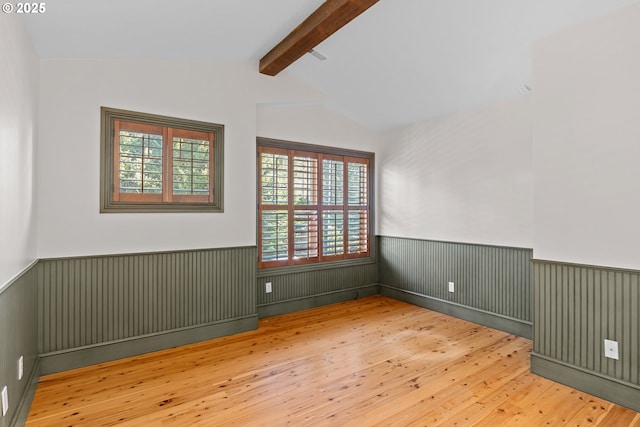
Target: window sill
<point>110,207</point>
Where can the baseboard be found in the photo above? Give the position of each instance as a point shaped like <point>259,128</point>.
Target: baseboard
<point>22,411</point>
<point>492,320</point>
<point>289,306</point>
<point>113,350</point>
<point>611,389</point>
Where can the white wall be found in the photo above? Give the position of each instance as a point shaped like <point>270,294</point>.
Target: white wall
<point>466,177</point>
<point>314,124</point>
<point>68,155</point>
<point>18,113</point>
<point>587,142</point>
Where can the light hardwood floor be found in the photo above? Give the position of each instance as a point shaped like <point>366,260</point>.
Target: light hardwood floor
<point>373,361</point>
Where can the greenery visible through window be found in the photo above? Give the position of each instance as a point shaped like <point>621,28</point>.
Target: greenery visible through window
<point>155,163</point>
<point>314,204</point>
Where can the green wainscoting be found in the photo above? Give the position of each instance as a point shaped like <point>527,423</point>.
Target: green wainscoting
<point>312,288</point>
<point>493,284</point>
<point>19,337</point>
<point>577,307</point>
<point>73,312</point>
<point>95,309</point>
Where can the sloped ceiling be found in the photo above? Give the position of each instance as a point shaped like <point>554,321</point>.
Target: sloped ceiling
<point>400,62</point>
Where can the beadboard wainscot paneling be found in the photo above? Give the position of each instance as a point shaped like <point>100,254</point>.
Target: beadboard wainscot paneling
<point>577,307</point>
<point>314,287</point>
<point>99,308</point>
<point>493,284</point>
<point>19,337</point>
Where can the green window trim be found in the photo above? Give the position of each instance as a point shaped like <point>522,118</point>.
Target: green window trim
<point>167,164</point>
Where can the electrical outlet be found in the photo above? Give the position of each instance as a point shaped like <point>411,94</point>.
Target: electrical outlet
<point>452,287</point>
<point>5,400</point>
<point>20,367</point>
<point>611,349</point>
<point>267,287</point>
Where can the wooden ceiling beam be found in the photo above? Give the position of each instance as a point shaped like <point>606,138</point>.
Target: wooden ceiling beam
<point>326,20</point>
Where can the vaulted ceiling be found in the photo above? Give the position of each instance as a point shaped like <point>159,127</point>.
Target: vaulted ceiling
<point>400,62</point>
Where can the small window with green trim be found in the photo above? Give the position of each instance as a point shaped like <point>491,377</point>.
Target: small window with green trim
<point>152,163</point>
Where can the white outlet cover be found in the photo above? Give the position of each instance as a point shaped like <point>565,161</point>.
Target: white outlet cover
<point>267,287</point>
<point>452,287</point>
<point>611,349</point>
<point>20,368</point>
<point>5,401</point>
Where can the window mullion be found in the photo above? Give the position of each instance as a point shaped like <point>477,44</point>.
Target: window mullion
<point>212,189</point>
<point>167,161</point>
<point>291,208</point>
<point>259,206</point>
<point>116,162</point>
<point>345,207</point>
<point>320,207</point>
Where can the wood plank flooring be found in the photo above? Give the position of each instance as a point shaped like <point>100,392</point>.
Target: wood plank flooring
<point>368,362</point>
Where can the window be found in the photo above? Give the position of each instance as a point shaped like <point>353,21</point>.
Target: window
<point>314,204</point>
<point>152,163</point>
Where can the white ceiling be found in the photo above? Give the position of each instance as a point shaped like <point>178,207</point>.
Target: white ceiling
<point>400,62</point>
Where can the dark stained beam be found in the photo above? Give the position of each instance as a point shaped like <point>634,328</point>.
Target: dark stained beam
<point>326,20</point>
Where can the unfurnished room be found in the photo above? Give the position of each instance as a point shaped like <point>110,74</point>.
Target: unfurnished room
<point>320,213</point>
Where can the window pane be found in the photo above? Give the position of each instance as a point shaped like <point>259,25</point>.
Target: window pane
<point>140,168</point>
<point>357,232</point>
<point>333,233</point>
<point>332,182</point>
<point>324,194</point>
<point>275,238</point>
<point>305,187</point>
<point>357,184</point>
<point>190,166</point>
<point>305,230</point>
<point>152,163</point>
<point>275,179</point>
